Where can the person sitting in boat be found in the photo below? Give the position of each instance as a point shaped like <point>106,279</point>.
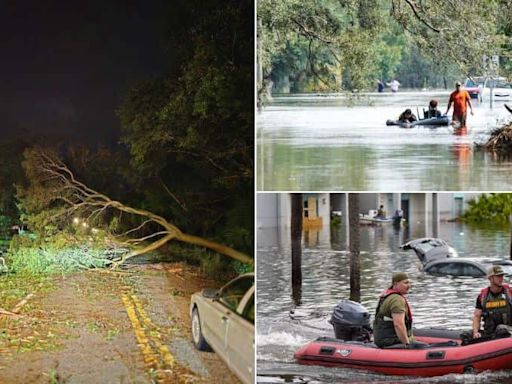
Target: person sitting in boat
<point>393,317</point>
<point>381,213</point>
<point>494,306</point>
<point>407,116</point>
<point>432,110</point>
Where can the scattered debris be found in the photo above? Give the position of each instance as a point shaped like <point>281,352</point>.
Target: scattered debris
<point>500,140</point>
<point>18,306</point>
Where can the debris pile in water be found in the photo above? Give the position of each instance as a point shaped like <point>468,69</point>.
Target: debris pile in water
<point>500,140</point>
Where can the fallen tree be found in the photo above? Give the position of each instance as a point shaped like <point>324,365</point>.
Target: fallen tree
<point>55,197</point>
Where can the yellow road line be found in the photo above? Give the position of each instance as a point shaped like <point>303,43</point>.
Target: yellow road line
<point>156,355</point>
<point>166,355</point>
<point>147,352</point>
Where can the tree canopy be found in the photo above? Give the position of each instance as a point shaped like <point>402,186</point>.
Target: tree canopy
<point>190,132</point>
<point>333,45</point>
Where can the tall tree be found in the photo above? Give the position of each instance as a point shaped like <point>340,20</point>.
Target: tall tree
<point>190,132</point>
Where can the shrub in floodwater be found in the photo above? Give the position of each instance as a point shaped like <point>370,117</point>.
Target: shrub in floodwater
<point>494,208</point>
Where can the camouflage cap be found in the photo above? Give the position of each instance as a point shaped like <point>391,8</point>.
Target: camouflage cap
<point>399,276</point>
<point>495,270</point>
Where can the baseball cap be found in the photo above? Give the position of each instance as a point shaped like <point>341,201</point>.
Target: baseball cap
<point>458,83</point>
<point>495,270</point>
<point>399,276</point>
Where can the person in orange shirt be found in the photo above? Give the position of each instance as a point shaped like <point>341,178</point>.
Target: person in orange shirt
<point>460,100</point>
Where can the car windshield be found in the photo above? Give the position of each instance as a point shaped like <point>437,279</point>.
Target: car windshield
<point>474,81</point>
<point>455,268</point>
<point>232,294</point>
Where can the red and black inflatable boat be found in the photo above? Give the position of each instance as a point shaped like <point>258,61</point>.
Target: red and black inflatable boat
<point>440,358</point>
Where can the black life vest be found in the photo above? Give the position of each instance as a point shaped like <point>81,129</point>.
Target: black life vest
<point>496,308</point>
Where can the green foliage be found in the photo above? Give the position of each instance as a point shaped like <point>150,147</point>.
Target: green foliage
<point>336,222</point>
<point>489,208</point>
<point>11,174</point>
<point>310,44</point>
<point>60,253</point>
<point>319,45</point>
<point>36,260</point>
<point>190,133</point>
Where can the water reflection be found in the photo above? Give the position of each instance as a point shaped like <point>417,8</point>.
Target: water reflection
<point>283,326</point>
<point>319,143</point>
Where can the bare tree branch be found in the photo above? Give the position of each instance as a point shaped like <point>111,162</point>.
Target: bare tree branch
<point>421,19</point>
<point>311,33</point>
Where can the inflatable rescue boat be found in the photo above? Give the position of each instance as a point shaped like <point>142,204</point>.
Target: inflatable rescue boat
<point>429,122</point>
<point>443,353</point>
<point>433,360</point>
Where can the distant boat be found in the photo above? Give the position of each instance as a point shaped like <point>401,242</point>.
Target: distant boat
<point>367,219</point>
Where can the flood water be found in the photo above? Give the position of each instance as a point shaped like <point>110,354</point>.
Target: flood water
<point>285,324</point>
<point>331,142</point>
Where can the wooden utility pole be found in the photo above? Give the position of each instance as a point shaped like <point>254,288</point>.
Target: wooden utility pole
<point>296,234</point>
<point>354,245</point>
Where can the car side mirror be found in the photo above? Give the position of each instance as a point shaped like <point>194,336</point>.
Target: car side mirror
<point>210,293</point>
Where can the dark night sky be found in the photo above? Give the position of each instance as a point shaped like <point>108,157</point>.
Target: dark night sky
<point>64,65</point>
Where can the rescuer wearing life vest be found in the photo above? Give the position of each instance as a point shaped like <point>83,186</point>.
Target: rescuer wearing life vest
<point>494,305</point>
<point>393,317</point>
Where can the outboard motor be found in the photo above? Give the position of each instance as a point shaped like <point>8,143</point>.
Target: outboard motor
<point>397,217</point>
<point>351,321</point>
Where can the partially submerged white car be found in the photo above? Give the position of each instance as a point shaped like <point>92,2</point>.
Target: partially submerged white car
<point>223,320</point>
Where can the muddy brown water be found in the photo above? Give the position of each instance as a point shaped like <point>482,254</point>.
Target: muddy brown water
<point>328,142</point>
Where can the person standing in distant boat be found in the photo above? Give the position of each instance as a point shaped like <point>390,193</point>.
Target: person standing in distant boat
<point>460,100</point>
<point>394,85</point>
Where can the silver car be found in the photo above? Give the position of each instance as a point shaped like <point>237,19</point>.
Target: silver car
<point>224,320</point>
